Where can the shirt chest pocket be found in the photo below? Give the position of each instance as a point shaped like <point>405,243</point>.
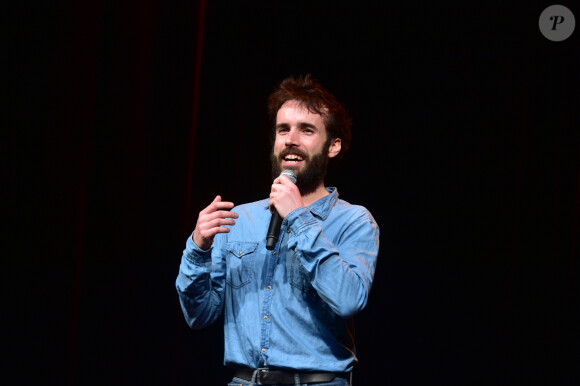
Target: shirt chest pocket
<point>240,263</point>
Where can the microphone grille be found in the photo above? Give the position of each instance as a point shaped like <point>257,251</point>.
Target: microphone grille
<point>290,174</point>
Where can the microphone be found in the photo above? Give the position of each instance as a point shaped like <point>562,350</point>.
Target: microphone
<point>276,220</point>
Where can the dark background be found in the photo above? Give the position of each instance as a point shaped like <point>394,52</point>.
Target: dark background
<point>126,118</point>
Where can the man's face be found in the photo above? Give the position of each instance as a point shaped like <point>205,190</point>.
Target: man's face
<point>301,145</point>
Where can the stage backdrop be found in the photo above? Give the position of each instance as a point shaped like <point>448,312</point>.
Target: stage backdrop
<point>130,116</point>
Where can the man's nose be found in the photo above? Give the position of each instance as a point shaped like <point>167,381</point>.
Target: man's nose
<point>292,137</point>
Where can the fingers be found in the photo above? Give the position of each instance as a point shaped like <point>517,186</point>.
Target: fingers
<point>215,213</point>
<point>217,204</point>
<point>209,228</point>
<point>213,220</point>
<point>284,196</point>
<point>219,217</point>
<point>208,234</point>
<point>281,186</point>
<point>283,180</point>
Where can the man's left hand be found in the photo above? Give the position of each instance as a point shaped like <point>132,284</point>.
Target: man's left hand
<point>284,196</point>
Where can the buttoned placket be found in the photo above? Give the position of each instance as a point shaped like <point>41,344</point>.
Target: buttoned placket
<point>270,266</point>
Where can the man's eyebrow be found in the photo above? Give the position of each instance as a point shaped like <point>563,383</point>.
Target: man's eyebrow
<point>300,124</point>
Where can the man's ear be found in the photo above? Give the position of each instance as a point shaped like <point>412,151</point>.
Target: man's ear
<point>334,148</point>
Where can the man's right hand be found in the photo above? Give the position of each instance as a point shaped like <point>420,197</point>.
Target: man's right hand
<point>211,220</point>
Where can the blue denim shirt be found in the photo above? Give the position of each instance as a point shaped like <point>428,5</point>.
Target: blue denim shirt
<point>290,307</point>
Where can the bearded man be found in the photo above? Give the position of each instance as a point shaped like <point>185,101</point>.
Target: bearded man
<point>288,309</point>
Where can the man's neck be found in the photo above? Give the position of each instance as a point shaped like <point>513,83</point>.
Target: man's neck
<point>314,195</point>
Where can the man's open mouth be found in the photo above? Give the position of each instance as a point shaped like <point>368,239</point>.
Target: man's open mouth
<point>292,159</point>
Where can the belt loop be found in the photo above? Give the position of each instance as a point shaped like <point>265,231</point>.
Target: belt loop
<point>257,375</point>
<point>296,379</point>
<point>254,375</point>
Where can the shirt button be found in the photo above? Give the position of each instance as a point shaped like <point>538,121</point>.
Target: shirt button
<point>240,252</point>
<point>263,350</point>
<point>288,230</point>
<point>265,317</point>
<point>269,287</point>
<point>274,253</point>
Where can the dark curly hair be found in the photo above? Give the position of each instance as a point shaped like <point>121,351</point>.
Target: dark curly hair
<point>310,94</point>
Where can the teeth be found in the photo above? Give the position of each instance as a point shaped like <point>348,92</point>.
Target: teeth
<point>293,157</point>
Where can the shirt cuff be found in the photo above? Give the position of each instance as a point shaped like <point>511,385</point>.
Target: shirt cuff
<point>299,219</point>
<point>196,254</point>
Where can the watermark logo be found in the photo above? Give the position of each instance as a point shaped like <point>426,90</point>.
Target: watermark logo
<point>557,23</point>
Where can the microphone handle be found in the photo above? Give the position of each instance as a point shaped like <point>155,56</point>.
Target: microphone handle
<point>276,220</point>
<point>273,231</point>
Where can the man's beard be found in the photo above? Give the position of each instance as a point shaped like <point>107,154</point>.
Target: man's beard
<point>308,178</point>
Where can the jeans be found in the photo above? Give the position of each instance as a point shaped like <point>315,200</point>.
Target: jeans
<point>335,382</point>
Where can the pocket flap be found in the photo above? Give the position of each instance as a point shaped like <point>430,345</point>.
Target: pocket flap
<point>239,248</point>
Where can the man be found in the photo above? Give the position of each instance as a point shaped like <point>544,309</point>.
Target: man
<point>289,310</point>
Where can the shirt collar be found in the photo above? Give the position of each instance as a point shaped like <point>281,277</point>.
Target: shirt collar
<point>322,207</point>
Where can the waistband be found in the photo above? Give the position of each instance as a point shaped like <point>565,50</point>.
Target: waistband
<point>266,376</point>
